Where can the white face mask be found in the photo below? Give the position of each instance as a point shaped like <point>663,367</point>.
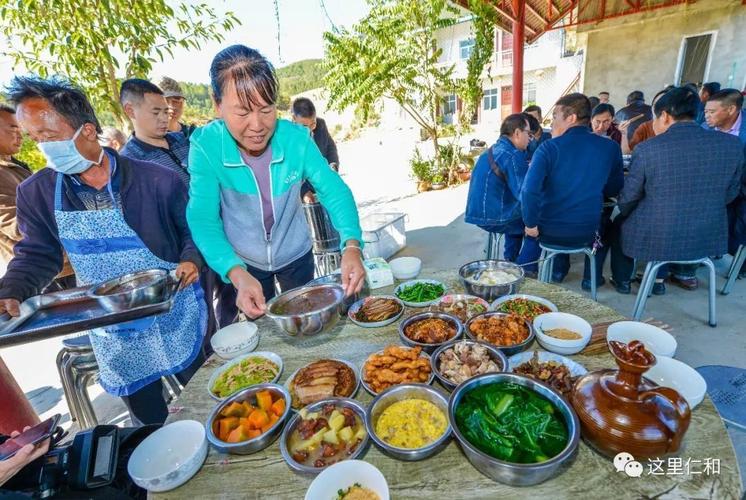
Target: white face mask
<point>64,157</point>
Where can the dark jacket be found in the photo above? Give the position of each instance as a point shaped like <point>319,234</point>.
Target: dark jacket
<point>174,157</point>
<point>632,110</point>
<point>566,184</point>
<point>154,204</point>
<point>495,200</point>
<point>535,143</point>
<point>676,193</point>
<point>325,142</point>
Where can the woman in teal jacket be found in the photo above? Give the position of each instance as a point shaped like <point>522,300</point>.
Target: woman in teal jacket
<point>247,169</point>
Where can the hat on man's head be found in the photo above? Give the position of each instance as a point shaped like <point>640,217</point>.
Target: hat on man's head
<point>170,87</point>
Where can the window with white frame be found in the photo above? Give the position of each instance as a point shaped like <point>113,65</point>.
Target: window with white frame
<point>490,99</point>
<point>449,104</point>
<point>466,47</point>
<point>529,93</point>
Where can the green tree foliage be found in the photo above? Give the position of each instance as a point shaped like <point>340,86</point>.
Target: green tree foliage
<point>483,25</point>
<point>91,41</point>
<point>31,155</point>
<point>393,53</point>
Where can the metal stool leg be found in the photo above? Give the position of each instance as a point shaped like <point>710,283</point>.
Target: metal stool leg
<point>63,358</point>
<point>173,385</point>
<point>544,266</point>
<point>735,268</point>
<point>88,416</point>
<point>712,288</point>
<point>642,294</point>
<point>592,259</point>
<point>69,375</point>
<point>490,242</point>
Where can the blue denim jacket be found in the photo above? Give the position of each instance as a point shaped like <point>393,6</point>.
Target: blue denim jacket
<point>492,200</point>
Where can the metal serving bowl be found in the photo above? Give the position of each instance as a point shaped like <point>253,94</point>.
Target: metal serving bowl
<point>134,290</point>
<point>495,353</point>
<point>336,278</point>
<point>260,442</point>
<point>490,292</point>
<point>509,350</point>
<point>511,473</point>
<point>400,393</point>
<point>453,320</point>
<point>310,322</point>
<point>317,406</point>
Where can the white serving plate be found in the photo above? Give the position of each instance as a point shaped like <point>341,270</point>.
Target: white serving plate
<point>354,308</point>
<point>276,359</point>
<point>533,298</point>
<point>414,282</point>
<point>352,367</point>
<point>576,369</point>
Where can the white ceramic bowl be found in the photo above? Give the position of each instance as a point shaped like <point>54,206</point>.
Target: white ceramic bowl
<point>576,369</point>
<point>669,372</point>
<point>342,475</point>
<point>405,268</point>
<point>235,340</point>
<point>656,340</point>
<point>262,354</point>
<point>552,320</point>
<point>169,457</point>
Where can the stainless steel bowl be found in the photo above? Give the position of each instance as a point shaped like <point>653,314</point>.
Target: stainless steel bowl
<point>490,292</point>
<point>311,322</point>
<point>400,393</point>
<point>337,278</point>
<point>510,350</point>
<point>511,473</point>
<point>260,442</point>
<point>495,353</point>
<point>428,315</point>
<point>296,419</point>
<point>134,290</point>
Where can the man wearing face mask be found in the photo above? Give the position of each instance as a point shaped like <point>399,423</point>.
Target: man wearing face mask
<point>113,216</point>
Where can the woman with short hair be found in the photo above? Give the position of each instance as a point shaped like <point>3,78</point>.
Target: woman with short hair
<point>247,168</point>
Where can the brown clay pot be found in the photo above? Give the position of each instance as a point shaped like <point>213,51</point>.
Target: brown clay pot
<point>439,186</point>
<point>464,176</point>
<point>423,186</point>
<point>620,411</point>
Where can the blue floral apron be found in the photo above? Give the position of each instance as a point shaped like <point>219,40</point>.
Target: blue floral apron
<point>101,246</point>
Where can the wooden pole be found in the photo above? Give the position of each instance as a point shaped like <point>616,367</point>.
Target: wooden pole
<point>519,38</point>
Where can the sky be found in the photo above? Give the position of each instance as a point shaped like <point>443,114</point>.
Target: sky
<point>302,23</point>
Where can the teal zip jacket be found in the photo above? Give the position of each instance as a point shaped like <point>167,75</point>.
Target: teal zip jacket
<point>225,207</point>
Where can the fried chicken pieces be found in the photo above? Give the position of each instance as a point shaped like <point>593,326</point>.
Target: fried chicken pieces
<point>397,365</point>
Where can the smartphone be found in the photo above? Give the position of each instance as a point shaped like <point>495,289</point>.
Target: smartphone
<point>34,435</point>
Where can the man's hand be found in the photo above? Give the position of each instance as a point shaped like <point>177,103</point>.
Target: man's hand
<point>353,271</point>
<point>188,273</point>
<point>24,456</point>
<point>250,296</point>
<point>532,232</point>
<point>10,306</point>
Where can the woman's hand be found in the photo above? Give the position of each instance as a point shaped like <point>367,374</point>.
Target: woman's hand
<point>188,273</point>
<point>532,232</point>
<point>353,271</point>
<point>24,456</point>
<point>250,296</point>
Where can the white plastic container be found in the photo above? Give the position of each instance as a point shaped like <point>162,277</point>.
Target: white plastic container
<point>383,234</point>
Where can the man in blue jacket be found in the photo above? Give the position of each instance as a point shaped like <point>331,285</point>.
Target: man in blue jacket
<point>569,176</point>
<point>494,191</point>
<point>112,216</point>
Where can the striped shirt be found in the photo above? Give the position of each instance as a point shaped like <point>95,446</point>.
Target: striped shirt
<point>174,157</point>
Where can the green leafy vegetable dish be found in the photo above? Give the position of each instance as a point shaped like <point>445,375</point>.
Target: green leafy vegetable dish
<point>248,372</point>
<point>512,423</point>
<point>421,292</point>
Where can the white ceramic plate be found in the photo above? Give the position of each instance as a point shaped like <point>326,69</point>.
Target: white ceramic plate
<point>169,457</point>
<point>496,304</point>
<point>456,297</point>
<point>262,354</point>
<point>687,381</point>
<point>576,369</point>
<point>414,282</point>
<point>342,475</point>
<point>656,340</point>
<point>352,367</point>
<point>354,308</point>
<point>423,354</point>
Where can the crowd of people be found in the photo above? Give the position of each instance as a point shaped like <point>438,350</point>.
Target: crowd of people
<point>682,197</point>
<point>218,205</point>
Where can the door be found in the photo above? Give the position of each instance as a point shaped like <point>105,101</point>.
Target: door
<point>506,101</point>
<point>695,59</point>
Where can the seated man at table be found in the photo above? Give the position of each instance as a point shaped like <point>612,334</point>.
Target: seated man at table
<point>540,135</point>
<point>112,216</point>
<point>675,196</point>
<point>569,176</point>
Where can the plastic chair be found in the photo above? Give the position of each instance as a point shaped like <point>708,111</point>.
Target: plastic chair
<point>548,253</point>
<point>648,279</point>
<point>493,245</point>
<point>735,268</point>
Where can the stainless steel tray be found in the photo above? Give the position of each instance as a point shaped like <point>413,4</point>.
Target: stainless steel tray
<point>70,311</point>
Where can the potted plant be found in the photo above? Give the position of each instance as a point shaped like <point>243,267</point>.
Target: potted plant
<point>422,171</point>
<point>439,181</point>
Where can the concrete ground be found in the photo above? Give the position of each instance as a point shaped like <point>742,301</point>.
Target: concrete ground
<point>376,168</point>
